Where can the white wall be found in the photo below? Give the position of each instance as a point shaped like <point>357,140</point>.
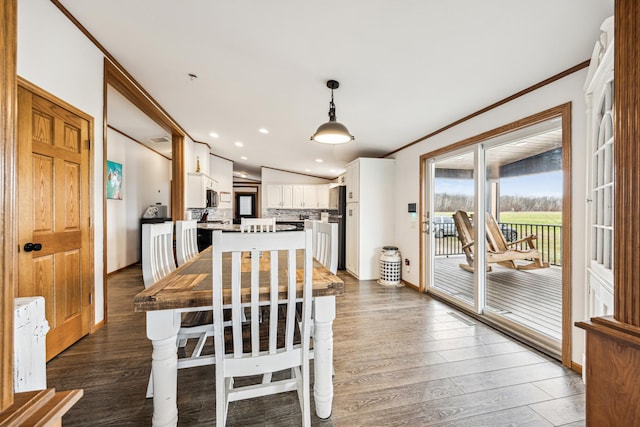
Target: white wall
<point>274,176</point>
<point>199,152</point>
<point>569,89</point>
<point>123,216</point>
<point>54,55</point>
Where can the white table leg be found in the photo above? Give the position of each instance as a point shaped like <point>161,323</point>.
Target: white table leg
<point>162,330</point>
<point>324,313</point>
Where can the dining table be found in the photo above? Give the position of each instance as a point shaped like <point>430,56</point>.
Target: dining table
<point>189,288</point>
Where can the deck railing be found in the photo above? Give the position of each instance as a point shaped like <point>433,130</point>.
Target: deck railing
<point>548,242</point>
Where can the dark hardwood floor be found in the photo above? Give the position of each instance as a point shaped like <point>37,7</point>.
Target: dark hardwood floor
<point>401,358</point>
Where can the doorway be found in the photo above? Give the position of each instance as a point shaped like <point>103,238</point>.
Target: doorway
<point>115,80</point>
<point>513,184</point>
<point>245,206</point>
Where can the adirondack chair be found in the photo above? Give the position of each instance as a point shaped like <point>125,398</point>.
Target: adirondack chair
<point>498,250</point>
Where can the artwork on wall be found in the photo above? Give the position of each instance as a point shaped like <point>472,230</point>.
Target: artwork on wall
<point>225,196</point>
<point>114,180</point>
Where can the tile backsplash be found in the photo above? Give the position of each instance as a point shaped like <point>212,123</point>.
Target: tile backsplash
<point>296,214</point>
<point>214,213</point>
<point>279,214</point>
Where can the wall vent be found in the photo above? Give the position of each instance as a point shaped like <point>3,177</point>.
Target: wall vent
<point>159,139</point>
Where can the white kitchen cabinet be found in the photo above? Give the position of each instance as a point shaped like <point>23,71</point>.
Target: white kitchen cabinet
<point>352,180</point>
<point>293,196</point>
<point>323,196</point>
<point>369,222</point>
<point>196,189</point>
<point>305,197</point>
<point>280,196</point>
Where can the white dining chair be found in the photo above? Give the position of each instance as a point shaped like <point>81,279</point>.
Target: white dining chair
<point>157,262</point>
<point>277,294</point>
<point>186,240</point>
<point>325,245</point>
<point>157,252</point>
<point>253,225</point>
<point>196,324</point>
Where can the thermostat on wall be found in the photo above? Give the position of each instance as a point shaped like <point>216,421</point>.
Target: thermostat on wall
<point>412,207</point>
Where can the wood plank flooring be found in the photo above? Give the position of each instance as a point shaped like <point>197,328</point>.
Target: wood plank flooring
<point>401,358</point>
<point>532,298</point>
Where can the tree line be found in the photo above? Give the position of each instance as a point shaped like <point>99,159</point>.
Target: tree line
<point>452,202</point>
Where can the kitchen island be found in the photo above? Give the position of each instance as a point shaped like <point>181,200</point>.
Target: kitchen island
<point>205,229</point>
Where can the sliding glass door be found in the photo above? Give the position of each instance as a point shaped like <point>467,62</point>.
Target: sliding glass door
<point>523,194</point>
<point>509,190</point>
<point>453,189</point>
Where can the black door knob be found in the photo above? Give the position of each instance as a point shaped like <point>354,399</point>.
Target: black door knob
<point>28,247</point>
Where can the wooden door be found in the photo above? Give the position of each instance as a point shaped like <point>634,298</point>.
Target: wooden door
<point>53,216</point>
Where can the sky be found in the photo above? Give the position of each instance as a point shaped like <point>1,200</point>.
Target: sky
<point>538,185</point>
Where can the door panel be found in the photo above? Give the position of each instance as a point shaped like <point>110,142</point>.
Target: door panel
<point>453,189</point>
<point>53,183</point>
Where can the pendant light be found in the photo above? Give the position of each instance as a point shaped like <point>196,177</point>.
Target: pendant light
<point>332,132</point>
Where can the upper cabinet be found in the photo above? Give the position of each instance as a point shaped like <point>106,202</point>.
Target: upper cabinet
<point>196,189</point>
<point>305,197</point>
<point>288,196</point>
<point>323,196</point>
<point>280,196</point>
<point>352,180</point>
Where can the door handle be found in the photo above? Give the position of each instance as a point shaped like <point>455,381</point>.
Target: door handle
<point>28,247</point>
<point>425,227</point>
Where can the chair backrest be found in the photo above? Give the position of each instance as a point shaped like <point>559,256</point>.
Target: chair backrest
<point>263,273</point>
<point>253,225</point>
<point>157,252</point>
<point>186,240</point>
<point>310,224</point>
<point>464,227</point>
<point>325,245</point>
<point>495,238</point>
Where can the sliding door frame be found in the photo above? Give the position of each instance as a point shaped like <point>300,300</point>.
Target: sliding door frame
<point>562,111</point>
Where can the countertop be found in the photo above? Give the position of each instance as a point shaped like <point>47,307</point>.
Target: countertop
<point>236,227</point>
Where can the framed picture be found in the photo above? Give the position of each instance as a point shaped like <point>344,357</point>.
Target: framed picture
<point>113,180</point>
<point>225,196</point>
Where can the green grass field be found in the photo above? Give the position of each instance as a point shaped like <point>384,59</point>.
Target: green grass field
<point>549,238</point>
<point>542,218</point>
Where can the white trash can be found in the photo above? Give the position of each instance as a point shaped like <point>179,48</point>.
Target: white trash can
<point>390,266</point>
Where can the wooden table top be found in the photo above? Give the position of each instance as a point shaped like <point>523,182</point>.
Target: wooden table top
<point>190,285</point>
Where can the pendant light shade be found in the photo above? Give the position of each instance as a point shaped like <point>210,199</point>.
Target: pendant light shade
<point>332,132</point>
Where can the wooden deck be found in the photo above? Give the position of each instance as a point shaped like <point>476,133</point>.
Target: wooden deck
<point>532,298</point>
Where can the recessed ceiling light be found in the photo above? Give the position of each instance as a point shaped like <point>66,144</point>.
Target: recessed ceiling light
<point>307,170</point>
<point>214,135</point>
<point>243,175</point>
<point>263,130</point>
<point>239,144</point>
<point>332,170</point>
<point>243,157</point>
<point>319,160</point>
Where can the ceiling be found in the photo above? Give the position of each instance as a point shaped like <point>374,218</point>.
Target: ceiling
<point>406,68</point>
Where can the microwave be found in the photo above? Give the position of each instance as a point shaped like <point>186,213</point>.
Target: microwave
<point>212,198</point>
